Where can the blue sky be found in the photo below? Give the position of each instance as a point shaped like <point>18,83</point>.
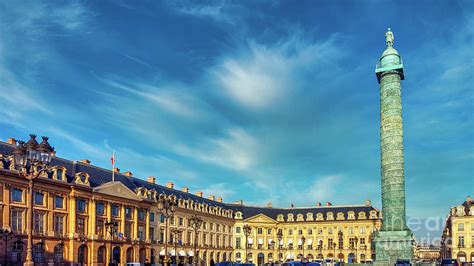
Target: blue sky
<point>255,100</point>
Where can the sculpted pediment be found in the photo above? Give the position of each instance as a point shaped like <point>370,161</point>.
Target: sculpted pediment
<point>117,189</point>
<point>260,218</point>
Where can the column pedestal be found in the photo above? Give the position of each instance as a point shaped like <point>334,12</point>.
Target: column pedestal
<point>391,246</point>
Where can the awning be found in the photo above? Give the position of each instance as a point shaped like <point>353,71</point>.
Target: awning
<point>191,253</point>
<point>310,241</point>
<point>290,256</point>
<point>260,241</point>
<point>162,252</point>
<point>250,240</point>
<point>182,253</point>
<point>300,241</point>
<point>172,252</point>
<point>270,241</point>
<point>290,241</point>
<point>281,242</point>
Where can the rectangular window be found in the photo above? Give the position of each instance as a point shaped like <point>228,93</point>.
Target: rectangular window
<point>141,233</point>
<point>300,232</point>
<point>330,244</point>
<point>461,241</point>
<point>115,210</point>
<point>472,229</point>
<point>269,231</point>
<point>162,236</point>
<point>310,231</point>
<point>180,221</point>
<point>100,208</point>
<point>152,216</point>
<point>128,230</point>
<point>162,218</point>
<point>38,228</point>
<point>238,242</point>
<point>152,234</point>
<point>17,195</point>
<point>59,225</point>
<point>461,227</point>
<point>237,230</point>
<point>59,202</point>
<point>128,213</point>
<point>81,205</point>
<point>141,215</point>
<point>99,227</point>
<point>259,231</point>
<point>290,232</point>
<point>80,226</point>
<point>17,221</point>
<point>39,198</point>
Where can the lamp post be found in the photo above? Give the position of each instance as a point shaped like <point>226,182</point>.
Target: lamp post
<point>279,237</point>
<point>167,207</point>
<point>247,230</point>
<point>110,225</point>
<point>6,234</point>
<point>334,246</point>
<point>320,247</point>
<point>356,240</point>
<point>195,222</point>
<point>341,242</point>
<point>32,160</point>
<point>176,237</point>
<point>303,240</point>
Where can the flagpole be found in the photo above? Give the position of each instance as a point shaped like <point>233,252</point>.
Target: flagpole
<point>113,166</point>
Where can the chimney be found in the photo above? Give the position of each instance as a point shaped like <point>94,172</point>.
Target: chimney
<point>219,199</point>
<point>11,141</point>
<point>368,203</point>
<point>469,199</point>
<point>239,202</point>
<point>269,205</point>
<point>169,185</point>
<point>117,170</point>
<point>199,194</point>
<point>85,161</point>
<point>328,203</point>
<point>318,204</point>
<point>292,205</point>
<point>128,174</point>
<point>211,197</point>
<point>151,179</point>
<point>185,190</point>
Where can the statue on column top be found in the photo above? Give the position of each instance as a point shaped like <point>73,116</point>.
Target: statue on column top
<point>389,38</point>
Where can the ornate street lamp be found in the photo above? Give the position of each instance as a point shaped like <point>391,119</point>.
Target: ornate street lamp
<point>303,240</point>
<point>176,237</point>
<point>279,237</point>
<point>356,240</point>
<point>334,245</point>
<point>195,222</point>
<point>247,230</point>
<point>6,234</point>
<point>110,227</point>
<point>341,242</point>
<point>32,160</point>
<point>320,247</point>
<point>167,208</point>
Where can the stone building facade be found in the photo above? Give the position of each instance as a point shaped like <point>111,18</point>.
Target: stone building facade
<point>457,240</point>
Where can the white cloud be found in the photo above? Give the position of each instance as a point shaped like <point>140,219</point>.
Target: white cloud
<point>237,150</point>
<point>223,190</point>
<point>262,75</point>
<point>220,11</point>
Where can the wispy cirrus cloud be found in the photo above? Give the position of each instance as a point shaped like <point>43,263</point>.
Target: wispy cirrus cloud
<point>222,11</point>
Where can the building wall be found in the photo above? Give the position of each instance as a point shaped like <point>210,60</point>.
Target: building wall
<point>458,234</point>
<point>264,230</point>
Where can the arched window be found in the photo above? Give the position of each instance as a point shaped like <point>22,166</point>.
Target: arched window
<point>59,253</point>
<point>38,252</point>
<point>101,255</point>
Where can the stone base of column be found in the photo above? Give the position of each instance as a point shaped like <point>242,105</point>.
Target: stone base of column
<point>391,246</point>
<point>30,263</point>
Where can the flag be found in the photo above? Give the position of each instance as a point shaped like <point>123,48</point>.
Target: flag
<point>113,165</point>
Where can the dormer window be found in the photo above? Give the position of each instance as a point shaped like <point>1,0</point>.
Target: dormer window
<point>361,215</point>
<point>300,217</point>
<point>351,215</point>
<point>280,218</point>
<point>340,216</point>
<point>330,216</point>
<point>290,217</point>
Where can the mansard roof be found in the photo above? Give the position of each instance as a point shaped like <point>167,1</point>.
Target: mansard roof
<point>250,211</point>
